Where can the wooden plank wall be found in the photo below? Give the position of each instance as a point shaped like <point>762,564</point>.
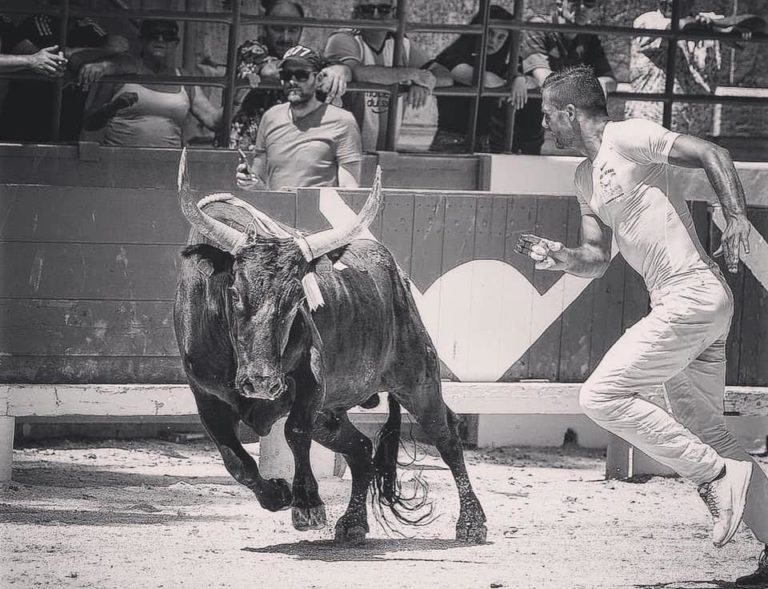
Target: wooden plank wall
<point>89,274</point>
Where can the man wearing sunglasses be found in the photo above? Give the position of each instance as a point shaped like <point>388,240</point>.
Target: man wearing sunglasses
<point>369,57</point>
<point>544,52</point>
<point>304,141</point>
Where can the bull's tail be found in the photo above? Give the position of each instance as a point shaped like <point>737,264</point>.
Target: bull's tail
<point>386,489</point>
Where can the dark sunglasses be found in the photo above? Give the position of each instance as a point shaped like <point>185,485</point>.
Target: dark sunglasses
<point>585,3</point>
<point>300,75</point>
<point>371,9</point>
<point>166,36</point>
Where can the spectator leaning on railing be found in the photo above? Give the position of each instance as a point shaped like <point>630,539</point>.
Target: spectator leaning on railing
<point>453,111</point>
<point>257,61</point>
<point>149,115</point>
<point>369,55</point>
<point>90,54</point>
<point>697,68</point>
<point>544,52</point>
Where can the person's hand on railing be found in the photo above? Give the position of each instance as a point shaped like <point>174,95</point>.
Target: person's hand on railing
<point>518,93</point>
<point>247,181</point>
<point>333,81</point>
<point>425,79</point>
<point>48,62</point>
<point>91,73</point>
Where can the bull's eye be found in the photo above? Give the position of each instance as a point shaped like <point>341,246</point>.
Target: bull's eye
<point>236,298</point>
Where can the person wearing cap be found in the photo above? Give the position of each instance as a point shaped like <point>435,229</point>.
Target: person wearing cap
<point>369,57</point>
<point>544,52</point>
<point>257,61</point>
<point>90,52</point>
<point>303,142</point>
<point>149,115</point>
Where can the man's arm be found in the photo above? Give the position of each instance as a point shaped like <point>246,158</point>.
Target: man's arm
<point>591,259</point>
<point>47,62</point>
<point>349,175</point>
<point>692,152</point>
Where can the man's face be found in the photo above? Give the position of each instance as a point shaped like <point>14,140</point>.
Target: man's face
<point>280,38</point>
<point>559,122</point>
<point>375,10</point>
<point>299,83</point>
<point>580,12</point>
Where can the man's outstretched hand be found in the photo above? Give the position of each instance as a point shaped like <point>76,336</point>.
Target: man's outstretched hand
<point>548,254</point>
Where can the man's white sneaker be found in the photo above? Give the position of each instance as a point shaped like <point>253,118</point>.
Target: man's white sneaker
<point>725,497</point>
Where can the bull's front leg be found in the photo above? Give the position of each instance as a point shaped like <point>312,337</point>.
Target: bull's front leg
<point>220,421</point>
<point>308,508</point>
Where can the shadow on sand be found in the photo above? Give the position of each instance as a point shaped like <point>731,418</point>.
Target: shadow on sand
<point>74,476</point>
<point>713,584</point>
<point>372,550</point>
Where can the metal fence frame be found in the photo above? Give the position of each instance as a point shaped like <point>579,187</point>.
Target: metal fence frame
<point>400,26</point>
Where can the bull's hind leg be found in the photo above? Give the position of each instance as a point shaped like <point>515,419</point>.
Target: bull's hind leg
<point>221,421</point>
<point>308,508</point>
<point>338,434</point>
<point>441,425</point>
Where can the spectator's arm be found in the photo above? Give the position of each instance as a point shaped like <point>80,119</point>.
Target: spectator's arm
<point>540,74</point>
<point>534,51</point>
<point>102,106</point>
<point>47,62</point>
<point>122,63</point>
<point>204,111</point>
<point>442,75</point>
<point>349,175</point>
<point>464,74</point>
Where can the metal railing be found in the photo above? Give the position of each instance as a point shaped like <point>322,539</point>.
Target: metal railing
<point>400,26</point>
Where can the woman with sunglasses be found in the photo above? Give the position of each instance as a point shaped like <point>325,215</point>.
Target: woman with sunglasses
<point>144,114</point>
<point>453,111</point>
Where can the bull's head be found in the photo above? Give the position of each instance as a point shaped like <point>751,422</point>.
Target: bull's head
<point>267,294</point>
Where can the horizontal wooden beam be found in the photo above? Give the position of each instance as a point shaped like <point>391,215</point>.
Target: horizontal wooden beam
<point>519,398</point>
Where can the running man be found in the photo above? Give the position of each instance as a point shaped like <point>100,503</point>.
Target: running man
<point>623,191</point>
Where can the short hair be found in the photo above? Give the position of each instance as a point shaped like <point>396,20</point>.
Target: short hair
<point>577,85</point>
<point>270,7</point>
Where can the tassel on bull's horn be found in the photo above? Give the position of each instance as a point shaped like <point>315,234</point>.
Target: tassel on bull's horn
<point>221,234</point>
<point>321,243</point>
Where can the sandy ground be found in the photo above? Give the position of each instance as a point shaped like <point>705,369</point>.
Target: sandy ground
<point>158,514</point>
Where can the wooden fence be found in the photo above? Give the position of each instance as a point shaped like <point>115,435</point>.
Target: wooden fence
<point>89,248</point>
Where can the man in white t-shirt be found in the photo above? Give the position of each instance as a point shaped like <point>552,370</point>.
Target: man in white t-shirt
<point>623,191</point>
<point>369,57</point>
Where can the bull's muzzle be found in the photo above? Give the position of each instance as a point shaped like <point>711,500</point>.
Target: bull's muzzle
<point>261,387</point>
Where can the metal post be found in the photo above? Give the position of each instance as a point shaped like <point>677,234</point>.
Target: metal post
<point>393,112</point>
<point>58,86</point>
<point>669,83</point>
<point>514,57</point>
<point>479,74</point>
<point>229,90</point>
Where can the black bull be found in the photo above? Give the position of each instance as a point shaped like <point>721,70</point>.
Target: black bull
<point>254,351</point>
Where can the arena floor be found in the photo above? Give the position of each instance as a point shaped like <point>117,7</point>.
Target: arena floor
<point>158,514</point>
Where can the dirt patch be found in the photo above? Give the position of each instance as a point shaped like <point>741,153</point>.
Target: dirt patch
<point>158,514</point>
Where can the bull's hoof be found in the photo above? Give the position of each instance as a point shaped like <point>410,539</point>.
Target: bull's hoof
<point>276,495</point>
<point>353,536</point>
<point>472,534</point>
<point>309,518</point>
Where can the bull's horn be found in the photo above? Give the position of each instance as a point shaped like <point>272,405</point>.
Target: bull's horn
<point>323,242</point>
<point>221,234</point>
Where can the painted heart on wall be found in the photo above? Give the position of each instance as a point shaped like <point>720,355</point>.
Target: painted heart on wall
<point>482,315</point>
